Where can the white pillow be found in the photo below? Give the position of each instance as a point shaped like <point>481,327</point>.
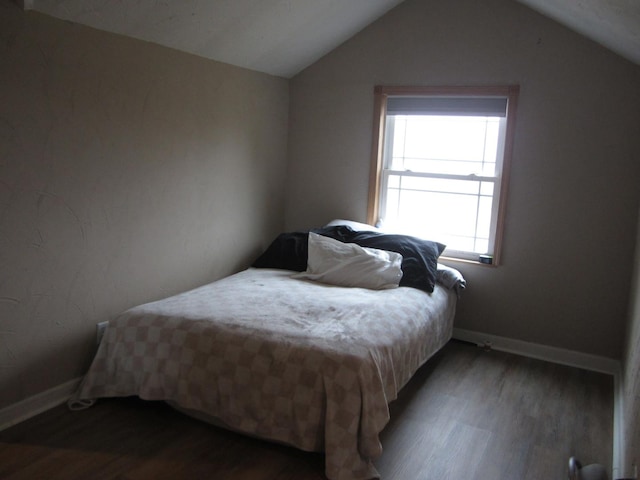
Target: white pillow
<point>350,265</point>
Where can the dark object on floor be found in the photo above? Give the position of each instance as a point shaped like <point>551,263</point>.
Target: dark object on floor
<point>594,471</point>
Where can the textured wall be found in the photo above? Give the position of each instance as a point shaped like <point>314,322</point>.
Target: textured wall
<point>128,172</point>
<point>573,197</point>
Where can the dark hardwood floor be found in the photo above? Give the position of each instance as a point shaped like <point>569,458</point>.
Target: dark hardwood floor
<point>466,414</point>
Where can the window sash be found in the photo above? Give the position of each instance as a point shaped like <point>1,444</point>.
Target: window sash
<point>444,176</point>
<point>480,229</point>
<point>477,143</point>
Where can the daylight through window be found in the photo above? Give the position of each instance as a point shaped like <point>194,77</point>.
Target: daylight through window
<point>441,164</point>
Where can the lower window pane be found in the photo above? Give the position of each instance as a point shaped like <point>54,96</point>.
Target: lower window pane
<point>459,220</point>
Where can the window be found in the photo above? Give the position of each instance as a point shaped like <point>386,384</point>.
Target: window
<point>441,164</point>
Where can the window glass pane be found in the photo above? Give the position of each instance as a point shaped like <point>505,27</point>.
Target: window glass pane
<point>397,151</point>
<point>445,217</point>
<point>482,245</point>
<point>449,138</point>
<point>429,165</point>
<point>487,188</point>
<point>459,145</point>
<point>491,146</point>
<point>393,202</point>
<point>394,181</point>
<point>484,217</point>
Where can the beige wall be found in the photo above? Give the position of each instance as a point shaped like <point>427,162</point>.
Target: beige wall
<point>128,171</point>
<point>573,202</point>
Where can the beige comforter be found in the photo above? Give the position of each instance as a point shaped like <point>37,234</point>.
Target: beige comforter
<point>303,363</point>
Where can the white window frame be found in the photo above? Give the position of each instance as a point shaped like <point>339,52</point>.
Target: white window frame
<point>379,173</point>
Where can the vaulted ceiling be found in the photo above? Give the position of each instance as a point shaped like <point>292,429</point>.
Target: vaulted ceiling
<point>279,37</point>
<point>614,24</point>
<point>282,37</point>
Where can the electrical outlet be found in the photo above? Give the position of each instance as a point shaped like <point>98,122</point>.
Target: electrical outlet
<point>100,329</point>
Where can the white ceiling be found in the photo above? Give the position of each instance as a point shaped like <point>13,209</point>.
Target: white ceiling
<point>614,24</point>
<point>282,37</point>
<point>279,37</point>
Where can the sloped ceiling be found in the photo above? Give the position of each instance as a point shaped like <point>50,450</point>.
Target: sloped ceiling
<point>614,24</point>
<point>282,37</point>
<point>278,37</point>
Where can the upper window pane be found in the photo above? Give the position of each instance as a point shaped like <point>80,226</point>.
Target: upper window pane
<point>444,144</point>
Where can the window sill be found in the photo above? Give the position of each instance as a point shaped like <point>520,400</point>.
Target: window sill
<point>468,262</point>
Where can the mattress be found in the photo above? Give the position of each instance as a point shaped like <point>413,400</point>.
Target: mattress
<point>299,362</point>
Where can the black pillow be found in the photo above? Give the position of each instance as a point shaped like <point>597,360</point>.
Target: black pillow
<point>289,251</point>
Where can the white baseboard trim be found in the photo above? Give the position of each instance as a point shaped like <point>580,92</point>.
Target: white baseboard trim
<point>542,352</point>
<point>618,470</point>
<point>41,402</point>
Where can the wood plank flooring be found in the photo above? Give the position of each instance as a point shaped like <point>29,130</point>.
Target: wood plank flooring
<point>466,414</point>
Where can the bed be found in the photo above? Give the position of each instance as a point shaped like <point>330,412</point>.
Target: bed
<point>274,354</point>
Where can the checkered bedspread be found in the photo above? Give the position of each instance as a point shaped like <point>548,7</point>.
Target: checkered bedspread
<point>307,364</point>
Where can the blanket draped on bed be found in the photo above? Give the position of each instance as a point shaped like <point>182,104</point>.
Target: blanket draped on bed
<point>307,364</point>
